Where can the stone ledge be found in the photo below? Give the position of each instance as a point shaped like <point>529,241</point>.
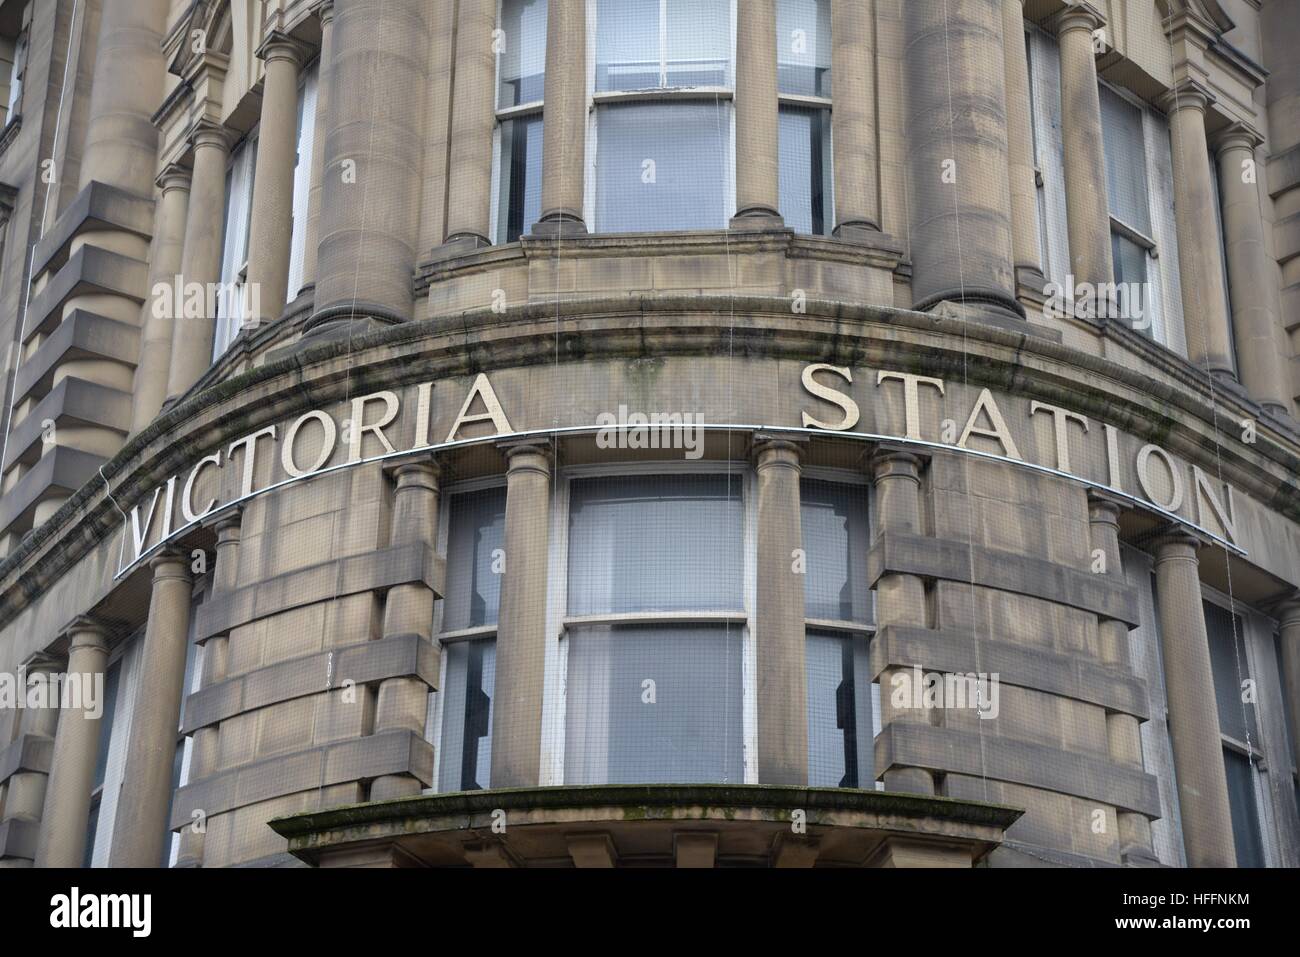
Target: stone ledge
<point>364,663</point>
<point>1021,666</point>
<point>341,762</point>
<point>81,335</point>
<point>30,752</point>
<point>1005,571</point>
<point>18,839</point>
<point>64,470</point>
<point>97,206</point>
<point>947,750</point>
<point>377,570</point>
<point>72,402</point>
<point>88,270</point>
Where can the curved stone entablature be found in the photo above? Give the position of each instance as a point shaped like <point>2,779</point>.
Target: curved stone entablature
<point>767,367</point>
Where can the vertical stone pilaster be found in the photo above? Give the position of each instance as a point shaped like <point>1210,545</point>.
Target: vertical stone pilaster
<point>192,337</point>
<point>408,609</point>
<point>564,127</point>
<point>779,619</point>
<point>1087,202</point>
<point>853,119</point>
<point>900,599</point>
<point>1289,630</point>
<point>472,116</point>
<point>1122,730</point>
<point>140,828</point>
<point>270,231</point>
<point>66,816</point>
<point>1200,263</point>
<point>1261,364</point>
<point>1193,714</point>
<point>311,238</point>
<point>521,624</point>
<point>1020,150</point>
<point>156,335</point>
<point>757,140</point>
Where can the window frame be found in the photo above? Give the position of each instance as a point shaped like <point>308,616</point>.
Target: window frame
<point>533,109</point>
<point>126,657</point>
<point>308,96</point>
<point>227,328</point>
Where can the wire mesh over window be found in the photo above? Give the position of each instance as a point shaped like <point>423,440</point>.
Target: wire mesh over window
<point>805,169</point>
<point>662,166</point>
<point>465,759</point>
<point>663,44</point>
<point>1231,669</point>
<point>1245,810</point>
<point>655,543</point>
<point>519,165</point>
<point>1126,161</point>
<point>833,517</point>
<point>803,47</point>
<point>840,739</point>
<point>522,58</point>
<point>475,551</point>
<point>652,704</point>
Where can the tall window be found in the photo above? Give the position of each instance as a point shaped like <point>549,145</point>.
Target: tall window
<point>184,743</point>
<point>15,38</point>
<point>842,700</point>
<point>663,125</point>
<point>475,556</point>
<point>1238,729</point>
<point>307,91</point>
<point>1126,185</point>
<point>112,683</point>
<point>803,62</point>
<point>234,247</point>
<point>655,630</point>
<point>521,79</point>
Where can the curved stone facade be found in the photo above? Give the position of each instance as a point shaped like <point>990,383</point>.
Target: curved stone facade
<point>438,473</point>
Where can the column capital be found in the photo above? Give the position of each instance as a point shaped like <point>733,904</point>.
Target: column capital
<point>165,566</point>
<point>324,11</point>
<point>1077,16</point>
<point>1237,136</point>
<point>44,662</point>
<point>1176,540</point>
<point>1288,610</point>
<point>174,176</point>
<point>891,461</point>
<point>87,631</point>
<point>423,473</point>
<point>207,133</point>
<point>281,46</point>
<point>1105,508</point>
<point>771,451</point>
<point>525,455</point>
<point>1186,94</point>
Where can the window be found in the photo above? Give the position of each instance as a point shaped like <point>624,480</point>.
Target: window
<point>662,123</point>
<point>803,62</point>
<point>475,543</point>
<point>184,743</point>
<point>843,703</point>
<point>1130,205</point>
<point>307,90</point>
<point>521,81</point>
<point>112,682</point>
<point>121,679</point>
<point>656,630</point>
<point>234,247</point>
<point>15,38</point>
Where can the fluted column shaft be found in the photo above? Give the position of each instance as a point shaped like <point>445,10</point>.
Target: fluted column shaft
<point>564,127</point>
<point>521,624</point>
<point>66,817</point>
<point>140,829</point>
<point>472,116</point>
<point>853,119</point>
<point>1193,714</point>
<point>757,140</point>
<point>311,238</point>
<point>779,620</point>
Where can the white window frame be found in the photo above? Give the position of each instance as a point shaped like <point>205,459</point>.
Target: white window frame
<point>127,656</point>
<point>308,91</point>
<point>533,108</point>
<point>242,182</point>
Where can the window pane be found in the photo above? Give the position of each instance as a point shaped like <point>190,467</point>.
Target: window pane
<point>523,55</point>
<point>302,178</point>
<point>684,728</point>
<point>840,741</point>
<point>1229,666</point>
<point>655,543</point>
<point>1134,307</point>
<point>466,758</point>
<point>1126,161</point>
<point>112,678</point>
<point>803,47</point>
<point>627,45</point>
<point>833,517</point>
<point>662,166</point>
<point>476,528</point>
<point>520,170</point>
<point>1245,812</point>
<point>698,35</point>
<point>92,828</point>
<point>805,136</point>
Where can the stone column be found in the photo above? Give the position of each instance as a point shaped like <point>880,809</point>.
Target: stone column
<point>374,158</point>
<point>1200,263</point>
<point>1255,323</point>
<point>1289,625</point>
<point>564,127</point>
<point>853,119</point>
<point>156,335</point>
<point>408,610</point>
<point>192,337</point>
<point>270,229</point>
<point>956,135</point>
<point>1020,150</point>
<point>757,141</point>
<point>779,620</point>
<point>1122,731</point>
<point>472,118</point>
<point>1193,714</point>
<point>521,624</point>
<point>140,829</point>
<point>900,599</point>
<point>312,235</point>
<point>205,750</point>
<point>62,841</point>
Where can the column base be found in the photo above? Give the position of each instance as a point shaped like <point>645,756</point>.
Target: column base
<point>459,244</point>
<point>558,224</point>
<point>864,232</point>
<point>757,218</point>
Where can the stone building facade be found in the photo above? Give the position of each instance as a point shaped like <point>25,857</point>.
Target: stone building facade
<point>650,432</point>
